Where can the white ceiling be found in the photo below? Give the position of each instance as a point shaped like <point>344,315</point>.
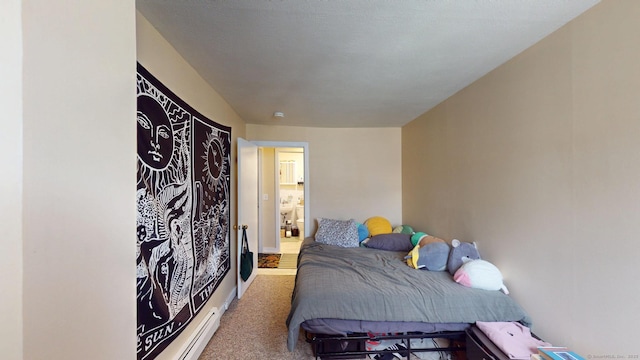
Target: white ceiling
<point>349,63</point>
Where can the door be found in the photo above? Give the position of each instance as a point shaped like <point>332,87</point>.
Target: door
<point>247,206</point>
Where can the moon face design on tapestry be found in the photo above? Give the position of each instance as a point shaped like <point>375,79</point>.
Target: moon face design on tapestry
<point>211,227</point>
<point>214,159</point>
<point>182,235</point>
<point>157,147</point>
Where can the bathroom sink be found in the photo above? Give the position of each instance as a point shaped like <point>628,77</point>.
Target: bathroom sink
<point>286,211</point>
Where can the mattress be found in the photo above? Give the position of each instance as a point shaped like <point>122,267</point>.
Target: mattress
<point>376,286</point>
<point>346,327</point>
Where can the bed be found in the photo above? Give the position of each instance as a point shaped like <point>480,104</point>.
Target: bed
<point>343,291</point>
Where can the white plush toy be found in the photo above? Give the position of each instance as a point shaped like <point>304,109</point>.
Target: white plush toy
<point>480,274</point>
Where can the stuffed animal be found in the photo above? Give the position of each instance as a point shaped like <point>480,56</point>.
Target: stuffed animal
<point>378,225</point>
<point>425,240</point>
<point>460,253</point>
<point>432,256</point>
<point>403,229</point>
<point>416,237</point>
<point>406,229</point>
<point>480,274</point>
<point>363,232</point>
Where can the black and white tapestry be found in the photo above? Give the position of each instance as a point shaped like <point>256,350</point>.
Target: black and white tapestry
<point>183,241</point>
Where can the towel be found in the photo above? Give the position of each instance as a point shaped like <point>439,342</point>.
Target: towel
<point>514,339</point>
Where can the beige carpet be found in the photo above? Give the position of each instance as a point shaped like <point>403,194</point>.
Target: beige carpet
<point>254,326</point>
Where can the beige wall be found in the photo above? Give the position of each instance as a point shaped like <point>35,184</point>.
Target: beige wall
<point>78,218</point>
<point>163,62</point>
<point>539,163</point>
<point>354,173</point>
<point>11,184</point>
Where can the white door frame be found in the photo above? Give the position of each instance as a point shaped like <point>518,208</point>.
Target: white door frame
<point>247,189</point>
<point>288,144</point>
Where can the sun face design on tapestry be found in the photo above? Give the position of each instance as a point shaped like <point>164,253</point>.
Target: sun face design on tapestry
<point>183,213</point>
<point>211,216</point>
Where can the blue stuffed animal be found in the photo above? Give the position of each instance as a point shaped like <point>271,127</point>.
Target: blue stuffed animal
<point>432,256</point>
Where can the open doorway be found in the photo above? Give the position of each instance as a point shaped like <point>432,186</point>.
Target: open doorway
<point>284,198</point>
<point>289,167</point>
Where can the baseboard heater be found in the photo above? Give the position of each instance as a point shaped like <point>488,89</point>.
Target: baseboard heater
<point>200,337</point>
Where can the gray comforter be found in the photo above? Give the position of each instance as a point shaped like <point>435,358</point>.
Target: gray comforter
<point>376,285</point>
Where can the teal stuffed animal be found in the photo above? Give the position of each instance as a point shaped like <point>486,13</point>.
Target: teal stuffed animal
<point>416,237</point>
<point>403,229</point>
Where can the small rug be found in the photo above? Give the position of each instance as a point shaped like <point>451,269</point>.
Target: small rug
<point>288,261</point>
<point>268,260</point>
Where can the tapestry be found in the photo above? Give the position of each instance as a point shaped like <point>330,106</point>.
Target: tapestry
<point>183,234</point>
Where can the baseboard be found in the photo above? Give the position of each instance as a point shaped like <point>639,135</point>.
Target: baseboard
<point>270,251</point>
<point>198,341</point>
<point>230,297</point>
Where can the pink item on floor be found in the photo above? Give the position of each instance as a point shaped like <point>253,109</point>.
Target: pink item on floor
<point>514,339</point>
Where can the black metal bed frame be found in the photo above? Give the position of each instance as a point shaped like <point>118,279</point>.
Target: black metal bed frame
<point>352,345</point>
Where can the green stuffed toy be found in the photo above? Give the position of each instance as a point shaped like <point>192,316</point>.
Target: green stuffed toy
<point>403,229</point>
<point>416,237</point>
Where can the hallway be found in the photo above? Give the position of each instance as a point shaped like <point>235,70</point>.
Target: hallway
<point>288,246</point>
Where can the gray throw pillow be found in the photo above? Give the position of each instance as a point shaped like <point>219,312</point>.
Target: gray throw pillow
<point>391,242</point>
